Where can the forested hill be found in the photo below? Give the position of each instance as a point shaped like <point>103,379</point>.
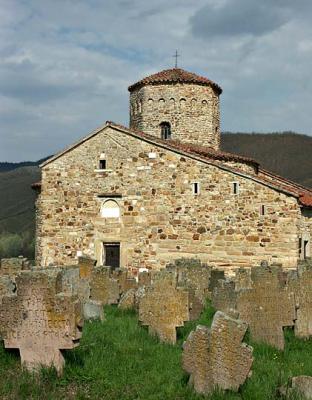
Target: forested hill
<point>10,166</point>
<point>287,154</point>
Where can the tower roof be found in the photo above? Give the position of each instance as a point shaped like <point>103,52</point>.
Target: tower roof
<point>174,75</point>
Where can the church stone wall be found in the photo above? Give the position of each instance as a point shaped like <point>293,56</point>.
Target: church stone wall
<point>192,111</point>
<point>160,217</point>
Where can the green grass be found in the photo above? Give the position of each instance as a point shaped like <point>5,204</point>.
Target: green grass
<point>117,359</point>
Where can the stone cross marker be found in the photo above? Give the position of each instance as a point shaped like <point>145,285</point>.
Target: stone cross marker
<point>216,357</point>
<point>164,307</point>
<point>39,321</point>
<point>267,307</point>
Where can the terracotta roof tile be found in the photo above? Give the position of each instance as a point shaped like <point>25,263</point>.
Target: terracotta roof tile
<point>175,75</point>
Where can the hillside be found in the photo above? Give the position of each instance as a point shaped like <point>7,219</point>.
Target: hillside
<point>17,199</point>
<point>287,154</point>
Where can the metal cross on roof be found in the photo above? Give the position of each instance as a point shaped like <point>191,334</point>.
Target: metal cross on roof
<point>176,55</point>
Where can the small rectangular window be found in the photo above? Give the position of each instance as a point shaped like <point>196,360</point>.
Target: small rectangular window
<point>195,188</point>
<point>102,164</point>
<point>235,187</point>
<point>262,210</point>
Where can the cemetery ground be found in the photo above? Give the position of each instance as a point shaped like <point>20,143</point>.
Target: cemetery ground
<point>117,359</point>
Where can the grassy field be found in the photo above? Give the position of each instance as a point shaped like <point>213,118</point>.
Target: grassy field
<point>117,359</point>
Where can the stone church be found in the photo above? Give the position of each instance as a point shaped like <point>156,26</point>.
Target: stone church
<point>162,189</point>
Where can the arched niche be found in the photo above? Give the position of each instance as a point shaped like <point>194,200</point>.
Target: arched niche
<point>110,209</point>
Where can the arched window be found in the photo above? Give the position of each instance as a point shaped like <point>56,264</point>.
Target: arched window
<point>165,130</point>
<point>110,209</point>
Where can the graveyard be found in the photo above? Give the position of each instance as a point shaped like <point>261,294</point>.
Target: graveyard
<point>188,331</point>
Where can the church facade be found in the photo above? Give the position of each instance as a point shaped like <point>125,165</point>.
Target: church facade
<point>162,189</point>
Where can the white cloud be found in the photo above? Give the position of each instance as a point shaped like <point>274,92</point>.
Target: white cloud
<point>65,65</point>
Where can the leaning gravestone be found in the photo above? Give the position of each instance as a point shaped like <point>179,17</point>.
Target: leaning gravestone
<point>39,321</point>
<point>216,357</point>
<point>267,307</point>
<point>164,307</point>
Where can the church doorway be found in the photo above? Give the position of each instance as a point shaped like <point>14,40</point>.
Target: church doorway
<point>111,254</point>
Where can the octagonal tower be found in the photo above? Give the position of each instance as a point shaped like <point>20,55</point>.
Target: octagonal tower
<point>178,105</point>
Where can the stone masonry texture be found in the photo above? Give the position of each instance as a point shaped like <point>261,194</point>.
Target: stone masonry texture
<point>158,216</point>
<point>216,357</point>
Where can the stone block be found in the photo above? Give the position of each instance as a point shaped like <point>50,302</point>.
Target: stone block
<point>164,307</point>
<point>216,357</point>
<point>40,321</point>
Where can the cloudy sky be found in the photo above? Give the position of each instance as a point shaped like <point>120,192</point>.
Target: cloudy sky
<point>65,65</point>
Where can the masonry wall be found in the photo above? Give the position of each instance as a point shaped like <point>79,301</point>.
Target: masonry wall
<point>161,219</point>
<point>192,111</point>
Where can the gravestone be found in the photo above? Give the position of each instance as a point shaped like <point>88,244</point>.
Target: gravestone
<point>144,278</point>
<point>215,276</point>
<point>40,321</point>
<point>267,307</point>
<point>128,300</point>
<point>302,288</point>
<point>216,357</point>
<point>164,307</point>
<point>224,297</point>
<point>103,287</point>
<point>195,278</point>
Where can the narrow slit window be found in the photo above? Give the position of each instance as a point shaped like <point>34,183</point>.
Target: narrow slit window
<point>195,188</point>
<point>102,164</point>
<point>262,210</point>
<point>165,129</point>
<point>235,187</point>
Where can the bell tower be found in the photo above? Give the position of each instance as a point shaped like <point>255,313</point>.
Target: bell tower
<point>177,105</point>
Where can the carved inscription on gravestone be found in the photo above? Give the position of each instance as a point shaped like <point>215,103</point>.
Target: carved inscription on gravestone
<point>267,307</point>
<point>216,357</point>
<point>164,307</point>
<point>39,321</point>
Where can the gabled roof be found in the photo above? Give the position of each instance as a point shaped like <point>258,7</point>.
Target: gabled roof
<point>175,75</point>
<point>207,155</point>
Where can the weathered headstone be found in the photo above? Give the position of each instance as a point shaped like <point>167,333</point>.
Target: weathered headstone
<point>164,307</point>
<point>216,357</point>
<point>224,297</point>
<point>196,278</point>
<point>144,278</point>
<point>300,388</point>
<point>39,321</point>
<point>267,307</point>
<point>215,276</point>
<point>103,287</point>
<point>86,265</point>
<point>128,300</point>
<point>302,288</point>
